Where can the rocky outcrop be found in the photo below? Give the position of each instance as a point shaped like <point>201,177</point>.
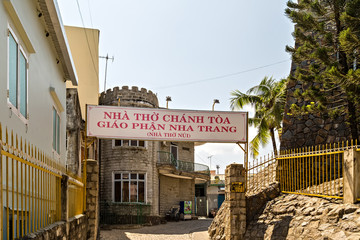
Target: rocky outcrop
<point>217,228</point>
<point>256,202</point>
<point>302,217</point>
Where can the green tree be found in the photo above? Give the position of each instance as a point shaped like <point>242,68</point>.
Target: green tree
<point>268,99</point>
<point>326,52</point>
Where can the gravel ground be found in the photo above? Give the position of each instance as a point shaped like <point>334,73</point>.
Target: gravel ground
<point>182,230</point>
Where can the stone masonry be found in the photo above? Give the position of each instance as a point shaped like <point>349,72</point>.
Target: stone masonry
<point>294,217</point>
<point>311,129</point>
<point>230,223</point>
<point>140,159</point>
<point>92,199</point>
<point>128,159</point>
<point>173,189</point>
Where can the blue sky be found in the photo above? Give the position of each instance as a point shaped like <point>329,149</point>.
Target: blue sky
<point>192,50</point>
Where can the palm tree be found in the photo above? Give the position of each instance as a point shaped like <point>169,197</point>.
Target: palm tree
<point>268,98</point>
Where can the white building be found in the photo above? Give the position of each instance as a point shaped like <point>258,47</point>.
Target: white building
<point>35,63</point>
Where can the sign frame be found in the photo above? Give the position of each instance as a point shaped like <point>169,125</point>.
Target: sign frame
<point>237,122</point>
<point>244,147</point>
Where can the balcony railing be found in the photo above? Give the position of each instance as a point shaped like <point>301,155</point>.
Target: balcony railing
<point>167,158</point>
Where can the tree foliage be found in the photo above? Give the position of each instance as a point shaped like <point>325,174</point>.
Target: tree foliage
<point>268,99</point>
<point>326,54</point>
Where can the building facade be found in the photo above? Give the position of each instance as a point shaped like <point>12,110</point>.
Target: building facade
<point>35,63</point>
<point>215,192</point>
<point>141,180</point>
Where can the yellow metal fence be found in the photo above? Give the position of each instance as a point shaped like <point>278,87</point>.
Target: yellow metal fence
<point>261,173</point>
<point>315,171</point>
<point>312,171</point>
<point>76,197</point>
<point>31,188</point>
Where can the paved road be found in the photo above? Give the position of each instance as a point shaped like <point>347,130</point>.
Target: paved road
<point>182,230</point>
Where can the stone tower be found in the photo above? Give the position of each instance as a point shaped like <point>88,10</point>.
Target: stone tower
<point>128,175</point>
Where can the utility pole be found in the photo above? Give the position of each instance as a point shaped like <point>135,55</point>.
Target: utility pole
<point>209,157</point>
<point>107,58</point>
<point>217,168</point>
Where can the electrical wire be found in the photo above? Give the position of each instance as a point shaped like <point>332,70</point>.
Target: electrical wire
<point>87,40</point>
<point>202,160</point>
<point>222,76</point>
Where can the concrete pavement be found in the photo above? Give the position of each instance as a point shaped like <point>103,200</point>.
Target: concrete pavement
<point>182,230</point>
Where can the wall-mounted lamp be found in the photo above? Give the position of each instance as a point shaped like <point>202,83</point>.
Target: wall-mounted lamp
<point>168,99</point>
<point>215,101</point>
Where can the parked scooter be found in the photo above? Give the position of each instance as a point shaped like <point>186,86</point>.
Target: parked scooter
<point>173,214</point>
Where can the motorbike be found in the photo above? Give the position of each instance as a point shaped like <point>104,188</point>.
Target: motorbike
<point>173,214</point>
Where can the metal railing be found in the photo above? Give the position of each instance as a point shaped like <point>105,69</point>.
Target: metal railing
<point>168,159</point>
<point>261,173</point>
<point>30,186</point>
<point>76,198</point>
<point>312,171</point>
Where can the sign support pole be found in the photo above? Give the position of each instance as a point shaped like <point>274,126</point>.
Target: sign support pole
<point>85,159</point>
<point>246,151</point>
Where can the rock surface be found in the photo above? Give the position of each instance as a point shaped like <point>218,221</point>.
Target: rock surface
<point>217,228</point>
<point>302,217</point>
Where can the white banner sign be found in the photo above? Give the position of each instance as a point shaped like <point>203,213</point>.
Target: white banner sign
<point>166,125</point>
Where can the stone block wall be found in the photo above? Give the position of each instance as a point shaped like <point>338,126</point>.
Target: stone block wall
<point>74,228</point>
<point>127,213</point>
<point>128,159</point>
<point>230,222</point>
<point>129,97</point>
<point>92,199</point>
<point>310,129</point>
<point>185,150</point>
<point>256,202</point>
<point>174,190</point>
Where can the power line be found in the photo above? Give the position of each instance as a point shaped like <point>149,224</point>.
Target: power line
<point>202,160</point>
<point>87,39</point>
<point>222,76</point>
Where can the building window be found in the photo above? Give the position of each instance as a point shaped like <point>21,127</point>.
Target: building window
<point>56,131</point>
<point>18,81</point>
<point>118,142</point>
<point>174,150</point>
<point>131,143</point>
<point>129,187</point>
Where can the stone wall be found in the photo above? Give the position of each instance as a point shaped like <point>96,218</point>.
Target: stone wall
<point>310,129</point>
<point>92,199</point>
<point>292,216</point>
<point>174,190</point>
<point>185,150</point>
<point>128,159</point>
<point>140,160</point>
<point>74,228</point>
<point>256,202</point>
<point>230,222</point>
<point>129,97</point>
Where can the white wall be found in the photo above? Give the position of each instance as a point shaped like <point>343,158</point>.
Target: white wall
<point>43,73</point>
